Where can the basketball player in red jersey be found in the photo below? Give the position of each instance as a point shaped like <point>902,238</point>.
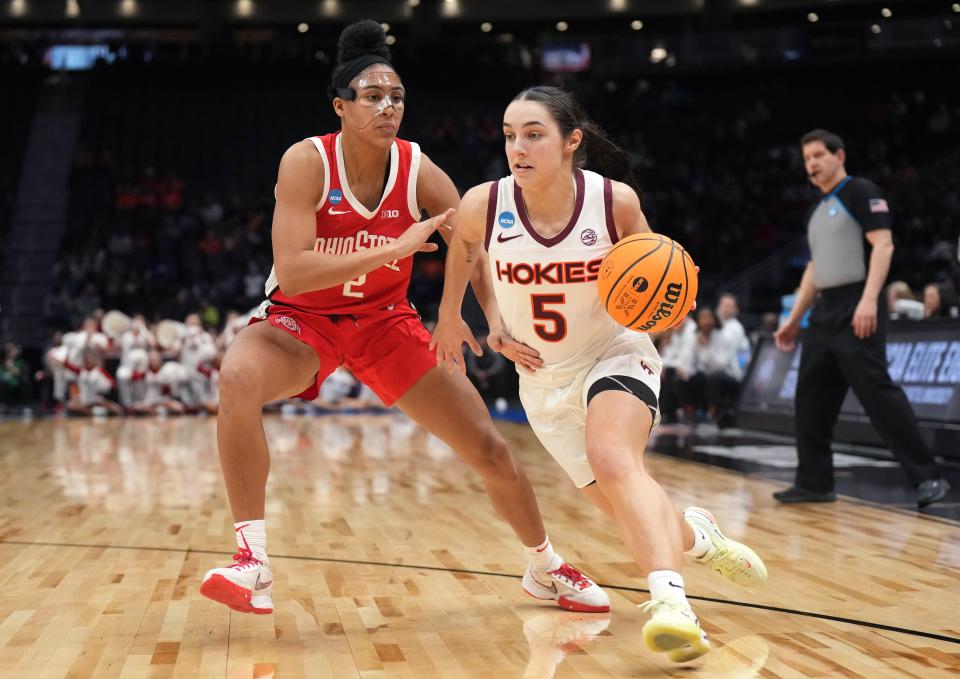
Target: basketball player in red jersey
<point>588,385</point>
<point>345,229</point>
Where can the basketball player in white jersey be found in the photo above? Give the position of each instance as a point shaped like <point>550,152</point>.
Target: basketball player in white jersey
<point>588,385</point>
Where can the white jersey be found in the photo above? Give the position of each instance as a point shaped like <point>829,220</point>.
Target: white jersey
<point>547,287</point>
<point>133,344</point>
<point>93,385</point>
<point>79,341</point>
<point>196,347</point>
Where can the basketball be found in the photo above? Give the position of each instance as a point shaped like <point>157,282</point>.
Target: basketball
<point>647,283</point>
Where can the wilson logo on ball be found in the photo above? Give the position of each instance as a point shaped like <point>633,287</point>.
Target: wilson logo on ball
<point>665,310</point>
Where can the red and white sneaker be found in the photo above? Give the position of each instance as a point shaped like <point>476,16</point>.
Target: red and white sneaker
<point>245,585</point>
<point>570,588</point>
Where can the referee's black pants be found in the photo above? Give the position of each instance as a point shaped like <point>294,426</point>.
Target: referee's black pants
<point>833,358</point>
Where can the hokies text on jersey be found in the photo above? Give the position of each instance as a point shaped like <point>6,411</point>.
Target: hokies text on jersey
<point>548,273</point>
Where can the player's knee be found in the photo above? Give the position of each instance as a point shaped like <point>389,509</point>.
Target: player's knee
<point>611,464</point>
<point>238,384</point>
<point>492,459</point>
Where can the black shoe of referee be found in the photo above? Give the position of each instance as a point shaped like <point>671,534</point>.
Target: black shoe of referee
<point>796,495</point>
<point>932,490</point>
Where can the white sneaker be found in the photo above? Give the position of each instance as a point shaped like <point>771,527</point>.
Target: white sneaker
<point>673,629</point>
<point>735,561</point>
<point>570,588</point>
<point>245,585</point>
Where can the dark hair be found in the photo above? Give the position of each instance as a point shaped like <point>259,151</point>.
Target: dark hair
<point>716,319</point>
<point>831,140</point>
<point>596,149</point>
<point>361,44</point>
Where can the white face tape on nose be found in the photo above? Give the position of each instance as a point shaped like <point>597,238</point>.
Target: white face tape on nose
<point>385,103</point>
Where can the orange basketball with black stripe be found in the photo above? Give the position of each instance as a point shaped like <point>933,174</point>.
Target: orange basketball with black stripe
<point>647,283</point>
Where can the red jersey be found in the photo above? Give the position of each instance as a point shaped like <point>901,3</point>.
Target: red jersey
<point>345,225</point>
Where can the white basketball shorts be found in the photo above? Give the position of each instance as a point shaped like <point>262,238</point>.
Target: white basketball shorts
<point>555,398</point>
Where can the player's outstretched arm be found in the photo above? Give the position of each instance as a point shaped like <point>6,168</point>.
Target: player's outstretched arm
<point>298,267</point>
<point>465,246</point>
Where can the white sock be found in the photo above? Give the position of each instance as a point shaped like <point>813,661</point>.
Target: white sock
<point>543,556</point>
<point>255,533</point>
<point>702,543</point>
<point>666,585</point>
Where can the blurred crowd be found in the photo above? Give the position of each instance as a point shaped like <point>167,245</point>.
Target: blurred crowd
<point>117,365</point>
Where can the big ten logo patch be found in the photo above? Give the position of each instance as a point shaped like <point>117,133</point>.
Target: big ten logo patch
<point>389,214</point>
<point>287,323</point>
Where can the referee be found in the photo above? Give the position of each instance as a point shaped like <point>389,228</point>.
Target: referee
<point>851,244</point>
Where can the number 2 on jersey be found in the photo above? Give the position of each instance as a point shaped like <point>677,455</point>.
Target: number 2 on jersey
<point>556,330</point>
<point>348,290</point>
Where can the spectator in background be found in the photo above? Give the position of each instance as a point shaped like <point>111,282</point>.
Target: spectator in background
<point>899,290</point>
<point>159,382</point>
<point>15,387</point>
<point>901,303</point>
<point>676,354</point>
<point>716,380</point>
<point>728,312</point>
<point>936,301</point>
<point>93,385</point>
<point>196,351</point>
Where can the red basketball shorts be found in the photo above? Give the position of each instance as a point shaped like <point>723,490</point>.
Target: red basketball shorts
<point>388,350</point>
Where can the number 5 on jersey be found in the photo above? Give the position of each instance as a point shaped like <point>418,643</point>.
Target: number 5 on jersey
<point>555,329</point>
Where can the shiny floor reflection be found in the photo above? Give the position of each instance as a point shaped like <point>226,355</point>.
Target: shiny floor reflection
<point>389,562</point>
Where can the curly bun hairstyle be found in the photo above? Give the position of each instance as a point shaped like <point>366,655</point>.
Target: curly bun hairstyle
<point>361,44</point>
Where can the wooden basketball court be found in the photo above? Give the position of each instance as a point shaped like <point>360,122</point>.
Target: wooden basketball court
<point>389,562</point>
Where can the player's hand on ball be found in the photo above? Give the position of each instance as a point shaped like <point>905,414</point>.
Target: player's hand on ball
<point>448,339</point>
<point>526,357</point>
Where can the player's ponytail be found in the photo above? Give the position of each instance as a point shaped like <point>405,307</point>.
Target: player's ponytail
<point>596,152</point>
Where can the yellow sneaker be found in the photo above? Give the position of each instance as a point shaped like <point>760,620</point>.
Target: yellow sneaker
<point>674,629</point>
<point>735,561</point>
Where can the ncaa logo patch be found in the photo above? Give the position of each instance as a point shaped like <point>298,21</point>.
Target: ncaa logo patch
<point>287,323</point>
<point>336,195</point>
<point>506,219</point>
<point>588,237</point>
